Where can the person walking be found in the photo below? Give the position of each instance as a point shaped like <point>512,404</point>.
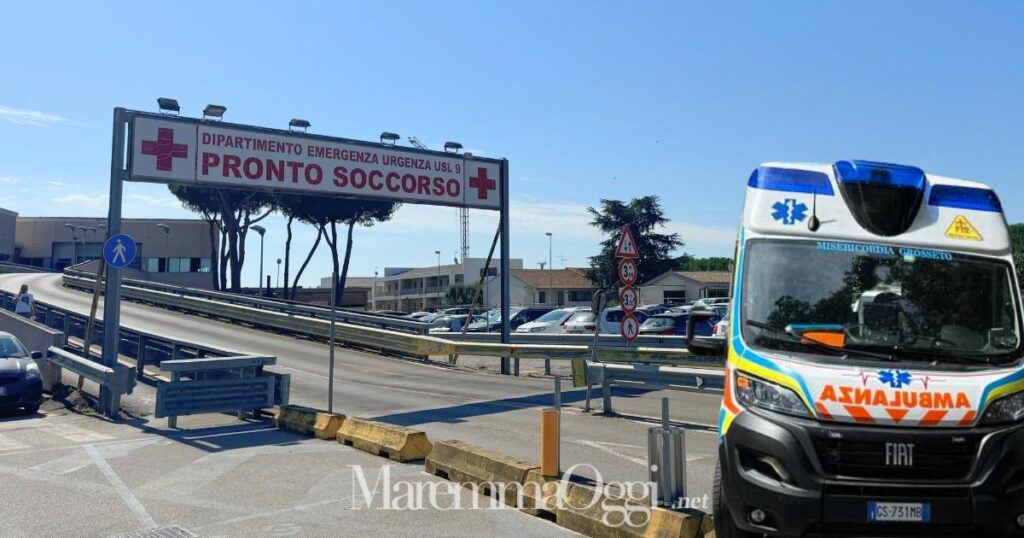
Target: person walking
<point>24,302</point>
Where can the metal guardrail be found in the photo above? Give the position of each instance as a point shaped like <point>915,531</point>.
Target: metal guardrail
<point>119,379</point>
<point>216,385</point>
<point>604,340</point>
<point>11,267</point>
<point>136,289</point>
<point>396,342</point>
<point>144,347</point>
<point>82,279</point>
<point>650,377</point>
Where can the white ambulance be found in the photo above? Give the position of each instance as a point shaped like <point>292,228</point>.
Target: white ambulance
<point>874,379</point>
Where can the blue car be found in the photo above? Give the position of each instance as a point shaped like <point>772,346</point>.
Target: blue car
<point>21,384</point>
<point>674,324</point>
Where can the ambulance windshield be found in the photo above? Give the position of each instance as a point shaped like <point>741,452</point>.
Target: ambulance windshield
<point>908,303</point>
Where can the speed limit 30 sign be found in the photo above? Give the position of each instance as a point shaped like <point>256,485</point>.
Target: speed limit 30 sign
<point>629,297</point>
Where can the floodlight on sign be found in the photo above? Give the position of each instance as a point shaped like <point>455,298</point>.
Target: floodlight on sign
<point>297,123</point>
<point>214,111</point>
<point>168,105</point>
<point>454,147</point>
<point>389,137</point>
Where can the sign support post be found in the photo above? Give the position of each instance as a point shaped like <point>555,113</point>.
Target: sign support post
<point>112,288</point>
<point>505,293</point>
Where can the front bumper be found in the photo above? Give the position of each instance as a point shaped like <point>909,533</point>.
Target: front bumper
<point>20,393</point>
<point>775,463</point>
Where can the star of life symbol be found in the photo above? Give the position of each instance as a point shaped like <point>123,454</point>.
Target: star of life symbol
<point>894,378</point>
<point>789,211</point>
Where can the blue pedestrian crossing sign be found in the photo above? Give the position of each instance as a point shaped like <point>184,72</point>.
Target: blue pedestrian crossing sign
<point>119,250</point>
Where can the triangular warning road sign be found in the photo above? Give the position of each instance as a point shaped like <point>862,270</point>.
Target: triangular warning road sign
<point>627,245</point>
<point>961,229</point>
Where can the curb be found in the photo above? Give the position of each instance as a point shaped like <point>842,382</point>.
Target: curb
<point>465,463</point>
<point>385,440</point>
<point>308,420</point>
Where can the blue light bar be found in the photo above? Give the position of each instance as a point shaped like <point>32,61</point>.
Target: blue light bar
<point>965,198</point>
<point>896,175</point>
<point>790,180</point>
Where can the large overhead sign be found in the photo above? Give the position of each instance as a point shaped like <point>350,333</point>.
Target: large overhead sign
<point>192,151</point>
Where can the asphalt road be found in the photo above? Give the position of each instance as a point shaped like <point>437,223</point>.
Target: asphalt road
<point>65,474</point>
<point>465,403</point>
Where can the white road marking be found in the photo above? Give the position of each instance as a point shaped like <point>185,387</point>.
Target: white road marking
<point>76,434</point>
<point>77,460</point>
<point>297,508</point>
<point>6,443</point>
<point>122,490</point>
<point>607,447</point>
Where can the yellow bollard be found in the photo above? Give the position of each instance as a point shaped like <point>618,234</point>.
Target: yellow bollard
<point>549,442</point>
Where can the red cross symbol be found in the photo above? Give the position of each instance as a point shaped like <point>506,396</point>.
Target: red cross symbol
<point>481,183</point>
<point>164,148</point>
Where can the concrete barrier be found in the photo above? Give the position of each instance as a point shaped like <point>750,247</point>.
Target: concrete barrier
<point>385,440</point>
<point>320,424</point>
<point>581,507</point>
<point>465,463</point>
<point>36,337</point>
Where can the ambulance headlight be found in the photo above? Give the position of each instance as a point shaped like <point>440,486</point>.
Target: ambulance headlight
<point>751,391</point>
<point>1006,409</point>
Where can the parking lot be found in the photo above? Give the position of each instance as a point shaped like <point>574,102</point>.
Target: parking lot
<point>68,474</point>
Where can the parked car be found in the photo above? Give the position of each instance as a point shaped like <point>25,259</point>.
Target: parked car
<point>611,319</point>
<point>713,301</point>
<point>668,324</point>
<point>655,309</point>
<point>21,384</point>
<point>721,329</point>
<point>459,310</point>
<point>418,316</point>
<point>518,316</point>
<point>551,322</point>
<point>390,312</point>
<point>582,322</point>
<point>451,323</point>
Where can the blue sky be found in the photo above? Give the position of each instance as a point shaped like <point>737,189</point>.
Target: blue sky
<point>588,100</point>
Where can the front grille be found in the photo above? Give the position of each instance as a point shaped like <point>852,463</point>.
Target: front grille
<point>6,380</point>
<point>935,458</point>
<point>9,399</point>
<point>897,492</point>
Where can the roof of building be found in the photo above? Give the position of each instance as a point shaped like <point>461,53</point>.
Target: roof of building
<point>568,278</point>
<point>701,277</point>
<point>707,277</point>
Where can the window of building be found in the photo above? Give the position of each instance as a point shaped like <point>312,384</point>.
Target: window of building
<point>580,296</point>
<point>716,292</point>
<point>542,297</point>
<point>152,265</point>
<point>675,296</point>
<point>204,265</point>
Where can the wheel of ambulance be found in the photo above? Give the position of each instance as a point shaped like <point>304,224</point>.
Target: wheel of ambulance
<point>724,525</point>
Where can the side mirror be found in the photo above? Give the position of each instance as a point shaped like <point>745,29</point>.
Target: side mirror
<point>37,355</point>
<point>703,346</point>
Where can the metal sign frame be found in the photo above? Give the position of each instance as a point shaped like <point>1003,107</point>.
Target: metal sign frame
<point>120,167</point>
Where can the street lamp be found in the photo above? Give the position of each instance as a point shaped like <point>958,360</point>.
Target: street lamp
<point>74,243</point>
<point>550,266</point>
<point>260,230</point>
<point>278,284</point>
<point>167,233</point>
<point>438,252</point>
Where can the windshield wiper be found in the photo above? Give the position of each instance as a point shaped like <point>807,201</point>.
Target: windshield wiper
<point>806,342</point>
<point>936,354</point>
